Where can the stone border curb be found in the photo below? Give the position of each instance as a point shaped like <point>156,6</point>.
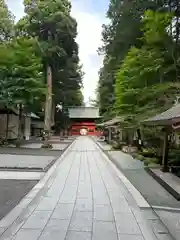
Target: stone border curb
<point>15,213</point>
<point>165,185</point>
<point>56,158</point>
<point>168,209</point>
<point>140,200</point>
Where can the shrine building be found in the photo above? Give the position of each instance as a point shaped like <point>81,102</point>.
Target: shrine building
<point>83,120</point>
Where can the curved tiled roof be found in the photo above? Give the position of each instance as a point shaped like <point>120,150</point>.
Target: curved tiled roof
<point>168,117</point>
<point>83,112</point>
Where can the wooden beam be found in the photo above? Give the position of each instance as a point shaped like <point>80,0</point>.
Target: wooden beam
<point>165,167</point>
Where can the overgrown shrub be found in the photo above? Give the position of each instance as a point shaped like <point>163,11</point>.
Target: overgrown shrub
<point>149,152</point>
<point>117,145</point>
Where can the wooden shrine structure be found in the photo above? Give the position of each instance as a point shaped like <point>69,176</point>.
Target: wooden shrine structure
<point>82,121</point>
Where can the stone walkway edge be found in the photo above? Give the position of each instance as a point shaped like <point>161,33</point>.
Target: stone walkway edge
<point>140,200</point>
<point>8,220</point>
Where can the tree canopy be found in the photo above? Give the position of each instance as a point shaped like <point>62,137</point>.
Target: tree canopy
<point>21,79</point>
<point>6,23</point>
<point>140,74</point>
<point>44,37</point>
<point>21,73</point>
<point>56,30</point>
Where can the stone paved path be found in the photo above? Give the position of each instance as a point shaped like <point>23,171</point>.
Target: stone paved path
<point>84,202</point>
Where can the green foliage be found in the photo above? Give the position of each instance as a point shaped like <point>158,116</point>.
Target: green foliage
<point>174,156</point>
<point>6,22</point>
<point>51,23</point>
<point>142,56</point>
<point>144,82</point>
<point>121,33</point>
<point>148,161</point>
<point>155,26</point>
<point>21,73</point>
<point>44,37</point>
<point>149,152</point>
<point>21,79</point>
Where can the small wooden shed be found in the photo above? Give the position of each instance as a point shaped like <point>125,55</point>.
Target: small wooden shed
<point>170,121</point>
<point>112,127</point>
<point>9,123</point>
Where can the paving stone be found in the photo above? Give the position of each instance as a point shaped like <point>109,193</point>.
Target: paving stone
<point>81,221</point>
<point>57,225</point>
<point>130,237</point>
<point>84,185</point>
<point>72,235</point>
<point>101,198</point>
<point>99,201</point>
<point>171,219</point>
<point>27,234</point>
<point>37,220</point>
<point>53,235</point>
<point>10,218</point>
<point>121,207</point>
<point>84,192</point>
<point>47,204</point>
<point>105,236</point>
<point>2,230</point>
<point>126,224</point>
<point>12,231</point>
<point>116,194</point>
<point>81,201</point>
<point>150,214</point>
<point>164,237</point>
<point>158,227</point>
<point>63,211</point>
<point>103,213</point>
<point>68,196</point>
<point>83,204</point>
<point>104,230</point>
<point>143,224</point>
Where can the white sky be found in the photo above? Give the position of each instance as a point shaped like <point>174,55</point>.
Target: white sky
<point>90,20</point>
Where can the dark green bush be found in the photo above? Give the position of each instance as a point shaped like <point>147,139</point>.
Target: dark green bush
<point>174,157</point>
<point>149,152</point>
<point>117,145</point>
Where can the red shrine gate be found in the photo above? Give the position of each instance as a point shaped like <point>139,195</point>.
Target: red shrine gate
<point>84,128</point>
<point>83,121</point>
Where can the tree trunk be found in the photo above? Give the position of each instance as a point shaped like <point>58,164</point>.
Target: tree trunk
<point>7,124</point>
<point>20,122</point>
<point>53,113</point>
<point>19,137</point>
<point>48,106</point>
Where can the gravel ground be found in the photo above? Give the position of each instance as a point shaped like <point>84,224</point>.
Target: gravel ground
<point>56,146</point>
<point>11,192</point>
<point>29,157</point>
<point>152,191</point>
<point>24,161</point>
<point>30,151</point>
